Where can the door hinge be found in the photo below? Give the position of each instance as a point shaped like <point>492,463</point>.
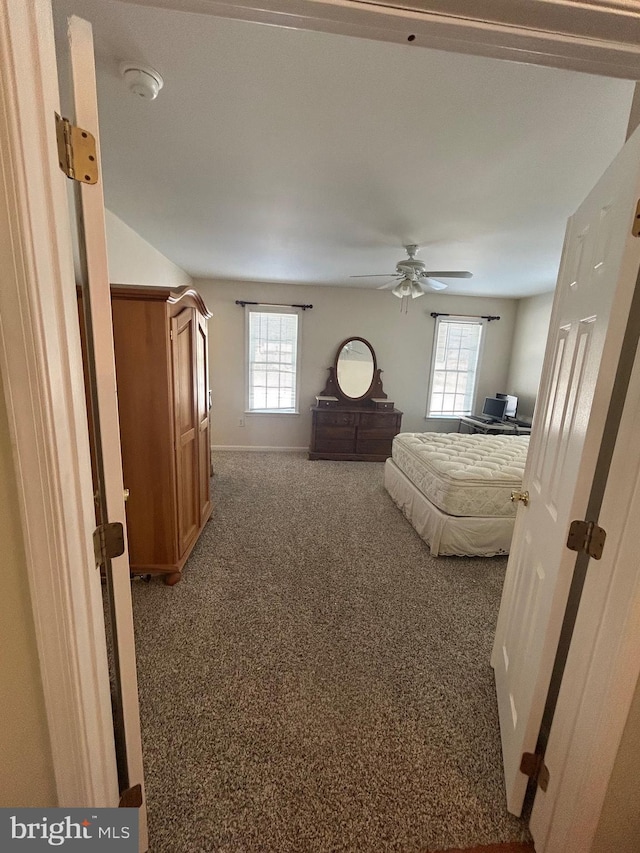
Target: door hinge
<point>532,765</point>
<point>108,542</point>
<point>635,228</point>
<point>77,155</point>
<point>131,798</point>
<point>170,334</point>
<point>586,536</point>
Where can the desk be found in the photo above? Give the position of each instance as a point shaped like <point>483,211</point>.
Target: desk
<point>493,429</point>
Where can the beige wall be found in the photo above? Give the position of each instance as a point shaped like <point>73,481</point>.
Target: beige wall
<point>402,342</point>
<point>26,771</point>
<point>134,261</point>
<point>529,339</point>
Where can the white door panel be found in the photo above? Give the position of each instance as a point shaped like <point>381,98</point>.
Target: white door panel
<point>595,287</point>
<point>602,668</point>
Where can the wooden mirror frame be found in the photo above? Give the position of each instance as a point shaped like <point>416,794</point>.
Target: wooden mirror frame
<point>374,391</point>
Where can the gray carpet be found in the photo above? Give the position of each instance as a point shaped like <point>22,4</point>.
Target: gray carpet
<point>318,682</point>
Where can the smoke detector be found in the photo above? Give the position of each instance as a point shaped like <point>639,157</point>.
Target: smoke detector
<point>141,80</point>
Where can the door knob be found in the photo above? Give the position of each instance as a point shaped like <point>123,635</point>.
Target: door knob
<point>520,496</point>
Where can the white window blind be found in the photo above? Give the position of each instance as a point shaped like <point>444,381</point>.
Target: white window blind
<point>272,360</point>
<point>454,366</point>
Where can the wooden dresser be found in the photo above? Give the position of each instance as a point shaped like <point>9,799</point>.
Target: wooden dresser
<point>160,341</point>
<point>348,432</point>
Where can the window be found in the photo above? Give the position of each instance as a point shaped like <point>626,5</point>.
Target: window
<point>453,367</point>
<point>272,359</point>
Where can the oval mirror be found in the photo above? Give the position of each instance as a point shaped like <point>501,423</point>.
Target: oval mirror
<point>355,367</point>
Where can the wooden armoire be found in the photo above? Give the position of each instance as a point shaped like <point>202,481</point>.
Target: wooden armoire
<point>160,341</point>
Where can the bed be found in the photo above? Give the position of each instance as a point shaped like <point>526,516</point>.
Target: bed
<point>456,489</point>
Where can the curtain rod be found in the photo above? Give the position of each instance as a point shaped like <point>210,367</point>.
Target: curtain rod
<point>487,317</point>
<point>272,304</point>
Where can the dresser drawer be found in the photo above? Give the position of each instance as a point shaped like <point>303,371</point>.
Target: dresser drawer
<point>387,432</point>
<point>331,432</point>
<point>378,420</point>
<point>335,418</point>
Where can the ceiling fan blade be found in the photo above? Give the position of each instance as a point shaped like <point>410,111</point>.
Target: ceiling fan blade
<point>434,284</point>
<point>447,274</point>
<point>388,284</point>
<point>373,275</point>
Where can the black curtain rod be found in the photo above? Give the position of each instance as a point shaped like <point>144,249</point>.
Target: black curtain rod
<point>272,304</point>
<point>487,317</point>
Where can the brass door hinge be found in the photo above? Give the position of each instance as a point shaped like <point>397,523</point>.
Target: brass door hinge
<point>108,542</point>
<point>586,536</point>
<point>532,765</point>
<point>635,228</point>
<point>77,155</point>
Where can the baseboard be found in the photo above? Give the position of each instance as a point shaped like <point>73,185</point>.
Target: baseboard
<point>251,448</point>
<point>513,847</point>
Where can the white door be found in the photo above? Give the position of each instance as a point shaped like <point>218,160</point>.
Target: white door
<point>594,705</point>
<point>596,282</point>
<point>97,300</point>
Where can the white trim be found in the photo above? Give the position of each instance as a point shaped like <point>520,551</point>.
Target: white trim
<point>91,201</point>
<point>259,308</point>
<point>97,292</point>
<point>42,374</point>
<point>252,413</point>
<point>596,37</point>
<point>450,319</point>
<point>251,448</point>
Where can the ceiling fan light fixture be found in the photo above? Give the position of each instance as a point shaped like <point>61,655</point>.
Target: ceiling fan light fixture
<point>407,287</point>
<point>402,289</point>
<point>416,290</point>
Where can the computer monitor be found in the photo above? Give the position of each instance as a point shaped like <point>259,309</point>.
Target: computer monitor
<point>512,404</point>
<point>494,408</point>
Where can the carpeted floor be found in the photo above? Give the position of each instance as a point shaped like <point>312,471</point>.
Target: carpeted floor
<point>318,683</point>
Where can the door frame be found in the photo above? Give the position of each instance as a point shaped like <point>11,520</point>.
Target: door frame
<point>41,367</point>
<point>39,344</point>
<point>592,36</point>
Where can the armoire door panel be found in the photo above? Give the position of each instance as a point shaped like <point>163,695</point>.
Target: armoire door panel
<point>187,495</point>
<point>183,328</point>
<point>202,412</point>
<point>143,373</point>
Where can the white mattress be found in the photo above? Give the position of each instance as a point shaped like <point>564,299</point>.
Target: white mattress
<point>464,475</point>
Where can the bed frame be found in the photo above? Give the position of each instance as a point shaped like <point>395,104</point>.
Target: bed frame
<point>447,535</point>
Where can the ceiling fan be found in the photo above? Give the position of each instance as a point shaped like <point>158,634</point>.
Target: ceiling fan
<point>411,276</point>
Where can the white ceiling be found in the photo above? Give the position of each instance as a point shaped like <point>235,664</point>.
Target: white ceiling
<point>283,155</point>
